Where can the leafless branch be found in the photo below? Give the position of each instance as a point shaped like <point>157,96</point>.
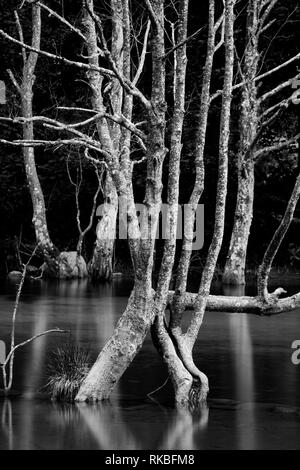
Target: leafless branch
<point>182,43</point>
<point>56,57</point>
<point>54,330</point>
<point>264,16</point>
<point>62,20</point>
<point>152,15</point>
<point>143,55</point>
<point>125,83</point>
<point>265,267</point>
<point>276,147</point>
<point>260,77</point>
<point>14,80</point>
<point>279,88</point>
<point>21,36</point>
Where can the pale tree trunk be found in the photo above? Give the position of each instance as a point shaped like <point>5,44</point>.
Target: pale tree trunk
<point>26,93</point>
<point>134,324</point>
<point>58,265</point>
<point>190,384</point>
<point>200,392</point>
<point>101,266</point>
<point>185,341</point>
<point>173,341</point>
<point>184,391</point>
<point>162,339</point>
<point>234,272</point>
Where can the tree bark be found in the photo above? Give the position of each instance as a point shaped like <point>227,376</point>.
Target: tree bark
<point>177,306</point>
<point>122,347</point>
<point>135,322</point>
<point>26,93</point>
<point>101,267</point>
<point>234,272</point>
<point>243,304</point>
<point>180,377</point>
<point>58,265</point>
<point>187,340</point>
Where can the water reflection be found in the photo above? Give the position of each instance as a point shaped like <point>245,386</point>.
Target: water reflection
<point>241,347</point>
<point>243,355</point>
<point>186,430</point>
<point>6,423</point>
<point>96,418</point>
<point>99,426</point>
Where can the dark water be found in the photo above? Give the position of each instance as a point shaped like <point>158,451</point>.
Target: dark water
<point>255,388</point>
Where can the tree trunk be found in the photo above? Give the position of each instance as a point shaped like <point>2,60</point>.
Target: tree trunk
<point>135,322</point>
<point>101,267</point>
<point>234,272</point>
<point>36,193</point>
<point>184,389</point>
<point>57,265</point>
<point>122,347</point>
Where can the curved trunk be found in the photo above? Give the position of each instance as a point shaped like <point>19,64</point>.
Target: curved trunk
<point>190,390</point>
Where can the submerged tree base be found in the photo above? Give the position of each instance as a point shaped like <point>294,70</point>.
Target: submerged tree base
<point>234,277</point>
<point>68,265</point>
<point>101,267</point>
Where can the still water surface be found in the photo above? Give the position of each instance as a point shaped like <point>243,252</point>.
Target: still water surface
<point>254,387</point>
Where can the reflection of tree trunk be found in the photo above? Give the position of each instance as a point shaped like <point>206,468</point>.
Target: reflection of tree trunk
<point>184,430</point>
<point>101,267</point>
<point>7,422</point>
<point>97,416</point>
<point>241,345</point>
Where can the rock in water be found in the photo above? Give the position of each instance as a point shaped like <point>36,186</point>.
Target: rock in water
<point>14,275</point>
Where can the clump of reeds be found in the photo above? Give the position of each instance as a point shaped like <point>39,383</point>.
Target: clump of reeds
<point>66,369</point>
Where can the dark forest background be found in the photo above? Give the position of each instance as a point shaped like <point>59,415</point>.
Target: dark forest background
<point>57,84</point>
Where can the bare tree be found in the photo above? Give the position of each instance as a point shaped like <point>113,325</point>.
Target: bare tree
<point>255,118</point>
<point>56,264</point>
<point>148,302</point>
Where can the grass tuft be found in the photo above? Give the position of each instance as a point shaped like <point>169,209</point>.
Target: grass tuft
<point>66,369</point>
